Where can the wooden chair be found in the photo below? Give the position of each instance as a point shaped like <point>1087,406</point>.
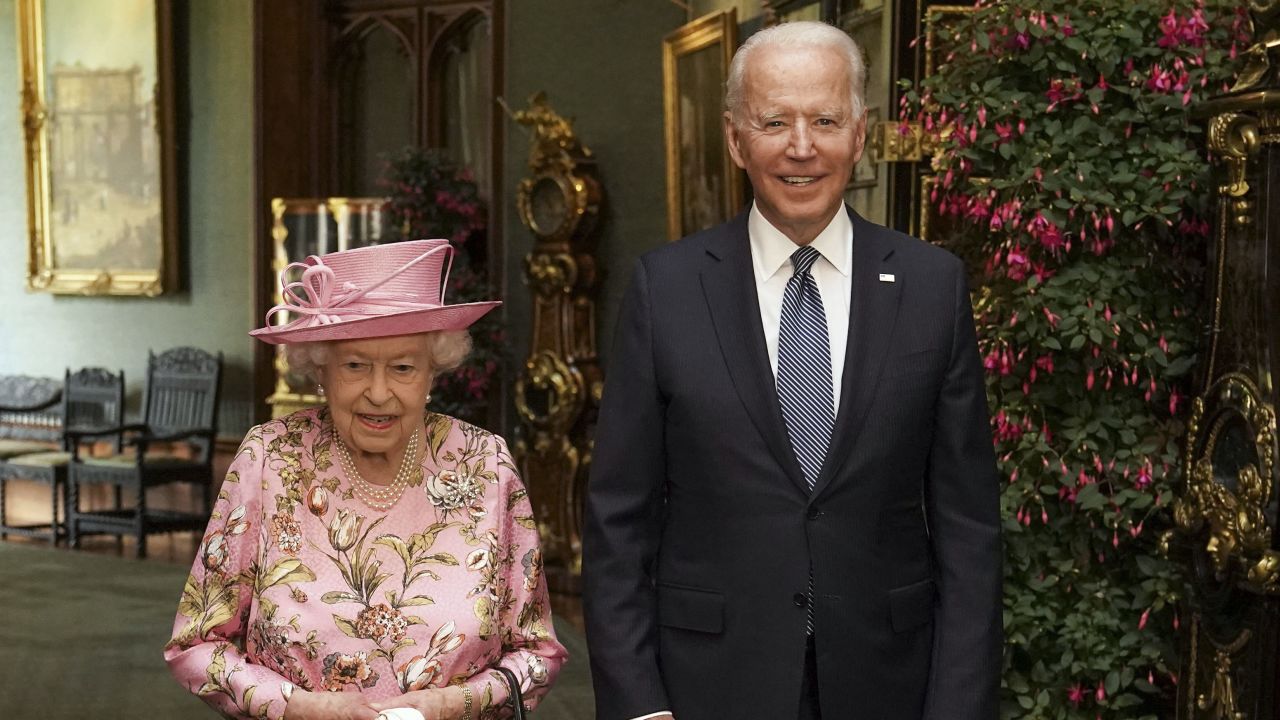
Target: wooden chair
<point>180,408</point>
<point>30,419</point>
<point>90,398</point>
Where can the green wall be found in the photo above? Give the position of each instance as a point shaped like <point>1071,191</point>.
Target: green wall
<point>600,62</point>
<point>40,334</point>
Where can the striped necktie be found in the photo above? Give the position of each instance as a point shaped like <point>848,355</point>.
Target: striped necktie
<point>804,367</point>
<point>804,376</point>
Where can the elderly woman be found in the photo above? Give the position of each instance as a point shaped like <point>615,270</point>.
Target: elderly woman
<point>370,555</point>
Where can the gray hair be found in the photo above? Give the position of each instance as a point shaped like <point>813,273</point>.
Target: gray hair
<point>446,350</point>
<point>808,35</point>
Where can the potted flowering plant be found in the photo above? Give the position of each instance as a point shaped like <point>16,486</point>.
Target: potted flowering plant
<point>1075,185</point>
<point>430,197</point>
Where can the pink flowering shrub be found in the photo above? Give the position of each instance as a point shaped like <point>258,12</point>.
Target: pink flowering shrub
<point>1073,182</point>
<point>432,198</point>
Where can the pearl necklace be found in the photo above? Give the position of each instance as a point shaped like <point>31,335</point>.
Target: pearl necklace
<point>380,497</point>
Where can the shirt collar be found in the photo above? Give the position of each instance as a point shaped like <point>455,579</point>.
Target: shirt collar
<point>772,249</point>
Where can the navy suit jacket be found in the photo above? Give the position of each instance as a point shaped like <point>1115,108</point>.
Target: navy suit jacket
<point>700,532</point>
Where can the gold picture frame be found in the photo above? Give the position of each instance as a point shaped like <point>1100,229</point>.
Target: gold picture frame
<point>98,118</point>
<point>704,186</point>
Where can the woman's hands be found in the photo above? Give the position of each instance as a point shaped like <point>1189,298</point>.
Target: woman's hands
<point>434,703</point>
<point>305,705</point>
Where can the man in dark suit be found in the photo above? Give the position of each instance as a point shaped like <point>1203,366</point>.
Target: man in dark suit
<point>793,505</point>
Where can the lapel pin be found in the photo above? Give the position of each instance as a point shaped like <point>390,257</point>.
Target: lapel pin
<point>886,277</point>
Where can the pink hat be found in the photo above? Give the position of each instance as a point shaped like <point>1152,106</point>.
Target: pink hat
<point>375,291</point>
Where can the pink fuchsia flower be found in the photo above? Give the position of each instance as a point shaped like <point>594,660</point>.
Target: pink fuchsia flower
<point>1053,319</point>
<point>1061,91</point>
<point>1175,30</point>
<point>1018,264</point>
<point>1049,235</point>
<point>1075,694</point>
<point>1143,480</point>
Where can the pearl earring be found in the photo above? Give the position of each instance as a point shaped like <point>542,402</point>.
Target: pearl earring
<point>320,390</point>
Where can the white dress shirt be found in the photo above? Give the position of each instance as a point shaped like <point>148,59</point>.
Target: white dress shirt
<point>771,260</point>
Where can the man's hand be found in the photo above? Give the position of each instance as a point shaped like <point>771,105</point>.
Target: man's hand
<point>305,705</point>
<point>434,703</point>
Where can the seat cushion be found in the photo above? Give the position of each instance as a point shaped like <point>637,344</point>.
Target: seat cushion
<point>10,448</point>
<point>42,459</point>
<point>128,460</point>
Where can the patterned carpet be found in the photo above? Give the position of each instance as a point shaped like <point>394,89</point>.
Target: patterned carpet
<point>82,637</point>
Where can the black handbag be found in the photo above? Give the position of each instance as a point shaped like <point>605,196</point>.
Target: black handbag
<point>517,698</point>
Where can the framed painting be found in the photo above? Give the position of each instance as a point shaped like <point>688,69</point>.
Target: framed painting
<point>704,186</point>
<point>866,174</point>
<point>98,116</point>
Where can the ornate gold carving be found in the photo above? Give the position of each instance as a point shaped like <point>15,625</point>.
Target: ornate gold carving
<point>1231,523</point>
<point>564,388</point>
<point>1256,68</point>
<point>1221,700</point>
<point>1268,126</point>
<point>1234,137</point>
<point>556,394</point>
<point>551,273</point>
<point>560,198</point>
<point>894,141</point>
<point>1259,59</point>
<point>554,144</point>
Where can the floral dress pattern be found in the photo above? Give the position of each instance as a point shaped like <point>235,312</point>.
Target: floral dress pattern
<point>299,584</point>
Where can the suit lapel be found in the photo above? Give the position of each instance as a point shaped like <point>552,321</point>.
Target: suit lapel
<point>873,313</point>
<point>728,283</point>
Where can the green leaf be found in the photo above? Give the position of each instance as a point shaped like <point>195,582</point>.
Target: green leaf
<point>400,547</point>
<point>285,570</point>
<point>345,626</point>
<point>1089,498</point>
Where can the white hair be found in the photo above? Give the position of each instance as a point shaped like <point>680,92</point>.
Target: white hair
<point>445,348</point>
<point>807,35</point>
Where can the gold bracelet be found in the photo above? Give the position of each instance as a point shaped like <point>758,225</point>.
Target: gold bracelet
<point>466,702</point>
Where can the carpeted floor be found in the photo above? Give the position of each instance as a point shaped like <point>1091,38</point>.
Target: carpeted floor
<point>81,637</point>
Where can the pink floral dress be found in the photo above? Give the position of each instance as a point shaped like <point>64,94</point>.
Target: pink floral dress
<point>299,584</point>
